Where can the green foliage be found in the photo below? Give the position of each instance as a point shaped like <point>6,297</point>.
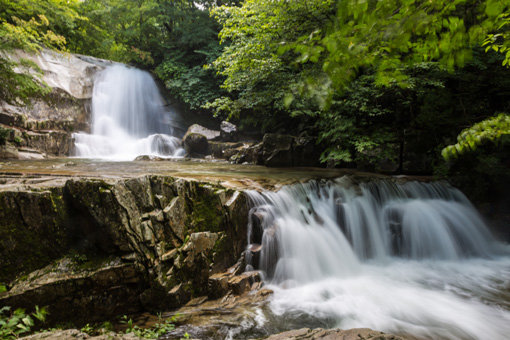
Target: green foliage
<point>258,78</point>
<point>4,135</point>
<point>388,36</point>
<point>160,328</point>
<point>490,130</point>
<point>499,41</point>
<point>29,25</point>
<point>17,323</point>
<point>97,329</point>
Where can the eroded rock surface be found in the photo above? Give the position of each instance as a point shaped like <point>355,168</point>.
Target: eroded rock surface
<point>163,238</point>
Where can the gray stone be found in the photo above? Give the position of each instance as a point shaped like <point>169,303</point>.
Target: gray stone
<point>209,134</point>
<point>333,334</point>
<point>228,132</point>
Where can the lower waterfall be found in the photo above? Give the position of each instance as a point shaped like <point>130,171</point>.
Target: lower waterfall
<point>412,258</point>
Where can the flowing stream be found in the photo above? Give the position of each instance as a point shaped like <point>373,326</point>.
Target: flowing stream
<point>129,118</point>
<point>413,258</point>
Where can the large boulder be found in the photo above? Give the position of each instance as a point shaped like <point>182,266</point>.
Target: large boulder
<point>196,140</point>
<point>228,132</point>
<point>207,133</point>
<point>195,144</point>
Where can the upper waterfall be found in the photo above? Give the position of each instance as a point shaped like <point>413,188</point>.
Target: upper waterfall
<point>129,118</point>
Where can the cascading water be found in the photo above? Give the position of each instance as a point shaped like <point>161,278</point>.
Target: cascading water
<point>412,258</point>
<point>129,118</point>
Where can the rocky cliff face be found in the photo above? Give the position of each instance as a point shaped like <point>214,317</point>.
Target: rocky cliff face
<point>44,127</point>
<point>99,248</point>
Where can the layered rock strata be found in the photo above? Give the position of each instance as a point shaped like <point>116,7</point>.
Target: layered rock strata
<point>91,249</point>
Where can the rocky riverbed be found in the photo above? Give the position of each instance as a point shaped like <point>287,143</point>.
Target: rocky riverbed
<point>93,240</point>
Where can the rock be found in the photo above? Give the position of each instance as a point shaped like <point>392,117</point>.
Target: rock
<point>252,154</point>
<point>81,292</point>
<point>124,219</point>
<point>218,285</point>
<point>8,152</point>
<point>195,144</point>
<point>170,255</point>
<point>333,334</point>
<point>47,123</point>
<point>57,143</point>
<point>224,150</point>
<point>25,153</point>
<point>175,213</point>
<point>204,241</point>
<point>67,72</point>
<point>241,284</point>
<point>32,231</point>
<point>210,135</point>
<point>255,250</point>
<point>277,150</point>
<point>228,132</point>
<point>305,152</point>
<point>74,334</point>
<point>149,158</point>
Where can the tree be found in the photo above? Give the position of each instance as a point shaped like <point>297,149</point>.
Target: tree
<point>258,77</point>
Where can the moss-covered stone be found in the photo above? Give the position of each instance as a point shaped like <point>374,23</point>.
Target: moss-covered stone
<point>176,232</point>
<point>32,230</point>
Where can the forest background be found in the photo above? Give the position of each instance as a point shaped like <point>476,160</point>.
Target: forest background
<point>422,85</point>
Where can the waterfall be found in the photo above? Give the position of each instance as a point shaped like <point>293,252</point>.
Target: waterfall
<point>412,258</point>
<point>129,118</point>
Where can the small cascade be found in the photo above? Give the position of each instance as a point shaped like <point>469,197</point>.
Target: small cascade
<point>401,258</point>
<point>129,118</point>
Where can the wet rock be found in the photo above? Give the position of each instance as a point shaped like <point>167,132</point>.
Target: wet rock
<point>223,150</point>
<point>32,231</point>
<point>255,250</point>
<point>141,221</point>
<point>195,144</point>
<point>71,290</point>
<point>218,285</point>
<point>228,132</point>
<point>147,158</point>
<point>57,143</point>
<point>305,151</point>
<point>333,334</point>
<point>74,334</point>
<point>277,150</point>
<point>241,284</point>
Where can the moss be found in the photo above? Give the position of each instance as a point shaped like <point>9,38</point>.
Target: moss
<point>206,210</point>
<point>32,230</point>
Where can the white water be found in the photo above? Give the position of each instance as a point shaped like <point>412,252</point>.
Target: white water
<point>410,259</point>
<point>129,118</point>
